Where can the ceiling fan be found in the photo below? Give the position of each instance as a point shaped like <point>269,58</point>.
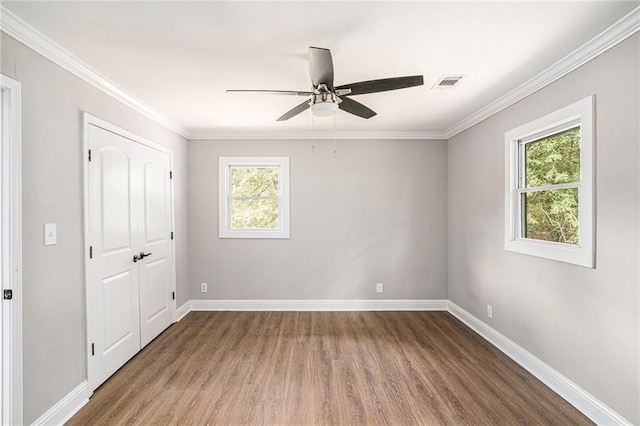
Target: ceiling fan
<point>325,99</point>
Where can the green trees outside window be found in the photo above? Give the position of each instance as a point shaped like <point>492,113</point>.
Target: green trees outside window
<point>551,177</point>
<point>254,197</point>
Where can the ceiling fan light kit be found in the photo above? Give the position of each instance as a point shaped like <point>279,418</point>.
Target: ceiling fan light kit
<point>325,99</point>
<point>324,109</point>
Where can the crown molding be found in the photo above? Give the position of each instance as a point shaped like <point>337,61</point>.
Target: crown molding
<point>24,33</point>
<point>205,134</point>
<point>616,33</point>
<point>32,38</point>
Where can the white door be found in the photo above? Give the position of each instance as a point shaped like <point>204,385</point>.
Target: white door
<point>154,237</point>
<point>130,265</point>
<point>113,310</point>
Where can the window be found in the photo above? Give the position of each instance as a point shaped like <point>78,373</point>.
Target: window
<point>549,210</point>
<point>254,197</point>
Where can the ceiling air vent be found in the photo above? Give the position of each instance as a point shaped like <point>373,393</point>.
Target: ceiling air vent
<point>447,81</point>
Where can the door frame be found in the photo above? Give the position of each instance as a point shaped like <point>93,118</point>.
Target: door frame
<point>11,311</point>
<point>87,121</point>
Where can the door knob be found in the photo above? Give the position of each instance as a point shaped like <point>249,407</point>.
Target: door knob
<point>143,255</point>
<point>140,256</point>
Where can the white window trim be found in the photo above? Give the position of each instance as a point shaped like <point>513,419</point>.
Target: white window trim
<point>583,254</point>
<point>224,207</point>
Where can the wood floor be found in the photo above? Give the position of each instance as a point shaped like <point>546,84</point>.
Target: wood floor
<point>304,368</point>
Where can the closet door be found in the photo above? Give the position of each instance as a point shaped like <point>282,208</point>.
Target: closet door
<point>130,272</point>
<point>113,308</point>
<point>154,239</point>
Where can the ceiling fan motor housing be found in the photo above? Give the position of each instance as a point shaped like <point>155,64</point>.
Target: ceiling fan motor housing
<point>320,97</point>
<point>324,104</point>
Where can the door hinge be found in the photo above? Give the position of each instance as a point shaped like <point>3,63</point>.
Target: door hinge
<point>8,294</point>
<point>172,235</point>
<point>170,175</point>
<point>173,295</point>
<point>93,349</point>
<point>90,252</point>
<point>89,155</point>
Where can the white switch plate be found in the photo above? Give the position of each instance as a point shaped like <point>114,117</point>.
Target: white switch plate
<point>379,288</point>
<point>50,234</point>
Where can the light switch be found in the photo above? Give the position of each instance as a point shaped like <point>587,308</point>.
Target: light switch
<point>50,234</point>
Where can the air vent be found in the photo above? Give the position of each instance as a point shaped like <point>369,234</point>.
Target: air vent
<point>447,82</point>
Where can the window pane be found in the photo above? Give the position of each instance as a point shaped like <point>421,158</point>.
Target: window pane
<point>254,214</point>
<point>554,159</point>
<point>254,181</point>
<point>551,215</point>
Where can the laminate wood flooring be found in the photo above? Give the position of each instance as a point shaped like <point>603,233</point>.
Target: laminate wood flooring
<point>325,368</point>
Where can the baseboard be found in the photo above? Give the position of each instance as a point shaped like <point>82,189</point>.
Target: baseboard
<point>319,305</point>
<point>591,407</point>
<point>183,310</point>
<point>66,407</point>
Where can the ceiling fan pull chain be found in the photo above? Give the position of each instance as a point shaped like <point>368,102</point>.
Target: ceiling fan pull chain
<point>313,128</point>
<point>335,144</point>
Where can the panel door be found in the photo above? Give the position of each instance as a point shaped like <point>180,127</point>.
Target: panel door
<point>154,236</point>
<point>113,310</point>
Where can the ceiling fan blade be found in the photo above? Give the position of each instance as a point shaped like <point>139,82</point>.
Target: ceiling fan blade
<point>295,111</point>
<point>355,108</point>
<point>321,67</point>
<point>273,92</point>
<point>382,85</point>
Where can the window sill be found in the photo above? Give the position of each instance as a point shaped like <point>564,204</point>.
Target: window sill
<point>261,234</point>
<point>567,253</point>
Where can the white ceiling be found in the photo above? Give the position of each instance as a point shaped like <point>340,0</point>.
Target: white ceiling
<point>180,57</point>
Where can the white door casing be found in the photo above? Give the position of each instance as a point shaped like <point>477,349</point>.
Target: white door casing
<point>128,212</point>
<point>11,252</point>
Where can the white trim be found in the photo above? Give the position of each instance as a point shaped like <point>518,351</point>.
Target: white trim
<point>583,254</point>
<point>64,409</point>
<point>224,197</point>
<point>616,33</point>
<point>212,134</point>
<point>12,250</point>
<point>591,407</point>
<point>318,305</point>
<point>32,38</point>
<point>183,310</point>
<point>103,124</point>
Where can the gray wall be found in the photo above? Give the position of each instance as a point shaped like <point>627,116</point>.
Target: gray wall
<point>582,322</point>
<point>53,284</point>
<point>378,211</point>
<point>374,212</point>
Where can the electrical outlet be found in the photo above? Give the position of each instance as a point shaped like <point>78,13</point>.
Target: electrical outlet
<point>203,287</point>
<point>489,311</point>
<point>379,288</point>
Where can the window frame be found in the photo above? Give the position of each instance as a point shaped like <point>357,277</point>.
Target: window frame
<point>225,165</point>
<point>580,113</point>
